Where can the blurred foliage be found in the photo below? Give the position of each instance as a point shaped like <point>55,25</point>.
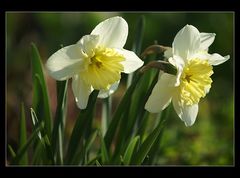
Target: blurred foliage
<point>208,142</point>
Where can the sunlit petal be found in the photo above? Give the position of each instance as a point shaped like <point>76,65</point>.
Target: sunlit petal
<point>112,32</point>
<point>64,63</point>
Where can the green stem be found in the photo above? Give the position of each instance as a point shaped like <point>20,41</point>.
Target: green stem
<point>106,113</point>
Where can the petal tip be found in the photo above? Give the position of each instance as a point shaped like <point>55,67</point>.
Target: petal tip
<point>227,57</point>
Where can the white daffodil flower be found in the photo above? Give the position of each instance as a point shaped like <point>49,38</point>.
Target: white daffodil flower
<point>189,54</point>
<point>95,61</point>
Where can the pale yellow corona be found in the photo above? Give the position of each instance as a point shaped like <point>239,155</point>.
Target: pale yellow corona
<point>195,80</point>
<point>104,68</point>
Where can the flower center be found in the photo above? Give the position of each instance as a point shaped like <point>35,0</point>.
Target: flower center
<point>195,81</point>
<point>104,68</point>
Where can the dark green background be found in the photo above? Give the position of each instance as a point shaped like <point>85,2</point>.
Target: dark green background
<point>208,142</point>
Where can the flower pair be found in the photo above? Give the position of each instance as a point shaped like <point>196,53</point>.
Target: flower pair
<point>97,60</point>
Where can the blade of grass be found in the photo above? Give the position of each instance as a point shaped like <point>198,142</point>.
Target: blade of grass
<point>104,152</point>
<point>130,150</point>
<point>91,140</point>
<point>47,153</point>
<point>11,151</point>
<point>156,146</point>
<point>131,114</point>
<point>23,136</point>
<point>147,144</point>
<point>139,98</point>
<point>35,122</point>
<point>81,157</point>
<point>119,111</point>
<point>60,116</point>
<point>37,158</point>
<point>80,126</point>
<point>23,150</point>
<point>42,92</point>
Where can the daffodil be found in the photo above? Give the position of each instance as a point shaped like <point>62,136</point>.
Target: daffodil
<point>189,54</point>
<point>95,61</point>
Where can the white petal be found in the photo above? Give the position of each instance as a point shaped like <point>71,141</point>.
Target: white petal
<point>107,93</point>
<point>64,63</point>
<point>132,62</point>
<point>206,40</point>
<point>186,42</point>
<point>176,105</point>
<point>113,32</point>
<point>161,95</point>
<point>190,114</point>
<point>88,43</point>
<point>179,64</point>
<point>213,59</point>
<point>81,91</point>
<point>168,53</point>
<point>216,59</point>
<point>186,113</point>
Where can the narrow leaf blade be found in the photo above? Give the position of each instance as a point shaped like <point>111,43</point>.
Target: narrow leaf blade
<point>130,150</point>
<point>41,90</point>
<point>80,126</point>
<point>60,116</point>
<point>147,145</point>
<point>23,136</point>
<point>104,153</point>
<point>23,150</point>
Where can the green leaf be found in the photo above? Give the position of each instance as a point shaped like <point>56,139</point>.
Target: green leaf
<point>139,98</point>
<point>138,110</point>
<point>12,152</point>
<point>121,136</point>
<point>37,158</point>
<point>23,136</point>
<point>81,125</point>
<point>91,140</point>
<point>23,150</point>
<point>81,157</point>
<point>156,146</point>
<point>104,153</point>
<point>35,122</point>
<point>60,116</point>
<point>143,125</point>
<point>134,112</point>
<point>40,92</point>
<point>46,151</point>
<point>119,112</point>
<point>137,44</point>
<point>147,145</point>
<point>130,150</point>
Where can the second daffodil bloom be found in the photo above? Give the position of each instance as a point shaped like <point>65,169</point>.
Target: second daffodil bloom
<point>95,61</point>
<point>189,54</point>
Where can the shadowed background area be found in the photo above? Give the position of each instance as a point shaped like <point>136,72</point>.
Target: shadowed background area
<point>208,142</point>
